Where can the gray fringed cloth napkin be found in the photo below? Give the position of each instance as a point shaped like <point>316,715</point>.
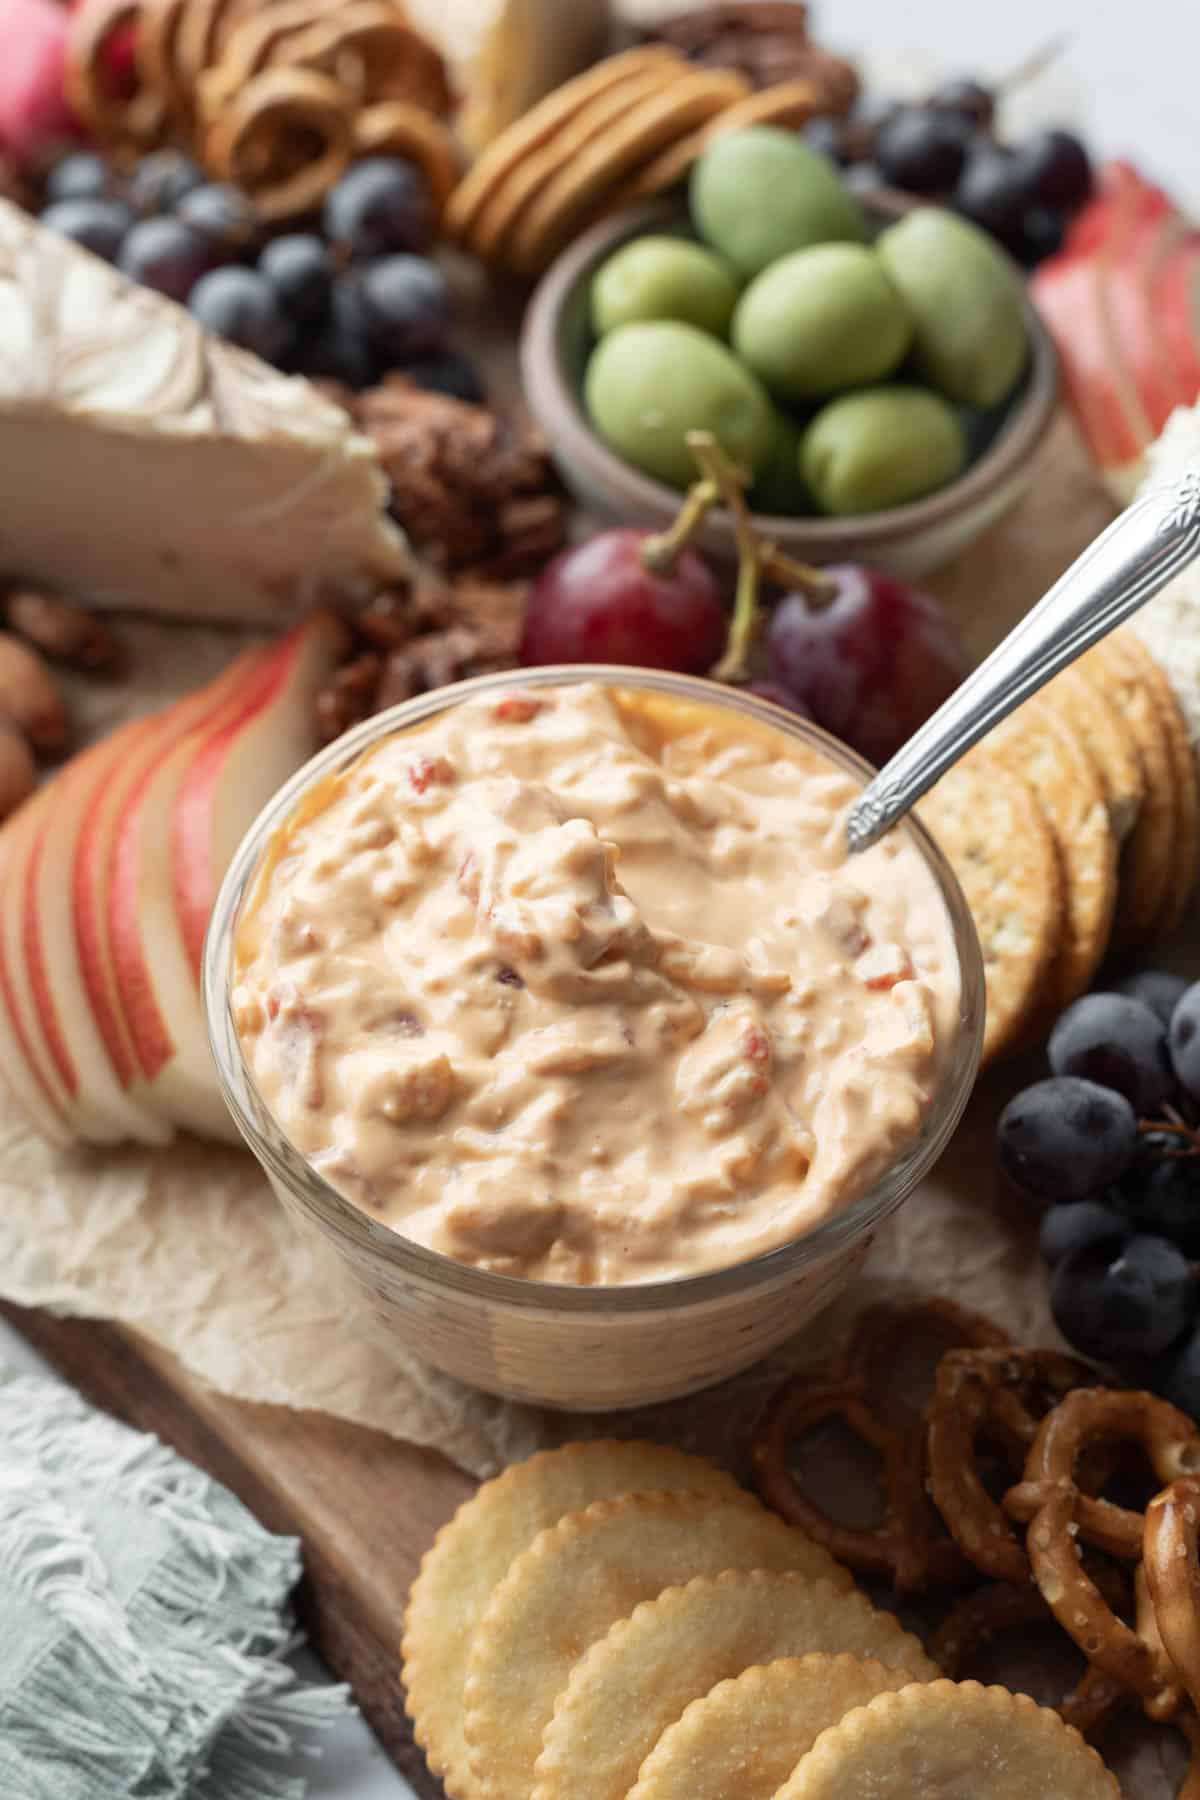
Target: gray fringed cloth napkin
<point>144,1619</point>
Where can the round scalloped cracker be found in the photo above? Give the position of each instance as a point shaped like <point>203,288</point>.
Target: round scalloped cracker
<point>951,1741</point>
<point>473,1552</point>
<point>583,179</point>
<point>1145,868</point>
<point>1109,741</point>
<point>789,104</point>
<point>489,234</point>
<point>540,124</point>
<point>748,1734</point>
<point>994,833</point>
<point>1182,877</point>
<point>674,1649</point>
<point>1039,743</point>
<point>573,1584</point>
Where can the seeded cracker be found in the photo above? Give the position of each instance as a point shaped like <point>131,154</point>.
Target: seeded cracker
<point>581,180</point>
<point>574,1582</point>
<point>1182,878</point>
<point>747,1735</point>
<point>1089,711</point>
<point>542,122</point>
<point>674,1649</point>
<point>472,1554</point>
<point>1038,743</point>
<point>596,120</point>
<point>1145,868</point>
<point>994,833</point>
<point>951,1741</point>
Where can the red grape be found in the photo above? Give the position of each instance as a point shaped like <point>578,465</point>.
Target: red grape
<point>600,602</point>
<point>873,664</point>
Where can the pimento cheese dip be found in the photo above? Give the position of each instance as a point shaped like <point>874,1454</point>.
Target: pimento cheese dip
<point>580,984</point>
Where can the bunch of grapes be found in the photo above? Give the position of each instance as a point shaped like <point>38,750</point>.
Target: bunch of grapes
<point>1109,1145</point>
<point>348,299</point>
<point>944,148</point>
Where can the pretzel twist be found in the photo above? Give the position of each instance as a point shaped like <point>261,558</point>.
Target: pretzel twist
<point>252,141</point>
<point>1172,1574</point>
<point>1061,1519</point>
<point>1003,1606</point>
<point>119,121</point>
<point>1004,1393</point>
<point>910,1544</point>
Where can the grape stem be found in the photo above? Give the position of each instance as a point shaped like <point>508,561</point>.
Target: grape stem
<point>1033,66</point>
<point>755,559</point>
<point>661,552</point>
<point>1173,1126</point>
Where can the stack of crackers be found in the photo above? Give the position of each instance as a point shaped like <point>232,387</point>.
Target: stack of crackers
<point>614,1619</point>
<point>625,130</point>
<point>1073,830</point>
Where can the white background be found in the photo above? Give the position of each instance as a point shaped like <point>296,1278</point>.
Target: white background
<point>1129,76</point>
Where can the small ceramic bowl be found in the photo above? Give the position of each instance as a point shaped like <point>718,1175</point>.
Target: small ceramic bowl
<point>912,540</point>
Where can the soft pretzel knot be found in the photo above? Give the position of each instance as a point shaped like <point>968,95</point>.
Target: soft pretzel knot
<point>1001,1395</point>
<point>909,1545</point>
<point>1172,1573</point>
<point>1061,1519</point>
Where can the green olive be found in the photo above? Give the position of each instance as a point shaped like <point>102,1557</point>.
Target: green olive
<point>965,299</point>
<point>821,320</point>
<point>881,447</point>
<point>758,194</point>
<point>664,278</point>
<point>780,489</point>
<point>648,385</point>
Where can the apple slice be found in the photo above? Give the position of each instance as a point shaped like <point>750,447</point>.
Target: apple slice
<point>144,744</point>
<point>100,1080</point>
<point>156,962</point>
<point>20,1068</point>
<point>241,766</point>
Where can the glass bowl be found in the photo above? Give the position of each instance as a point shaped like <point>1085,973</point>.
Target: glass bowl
<point>550,1344</point>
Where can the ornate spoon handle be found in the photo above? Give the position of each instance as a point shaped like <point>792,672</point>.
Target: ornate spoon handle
<point>1151,541</point>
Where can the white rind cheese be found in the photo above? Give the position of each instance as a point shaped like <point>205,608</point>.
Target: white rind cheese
<point>1169,625</point>
<point>505,55</point>
<point>148,467</point>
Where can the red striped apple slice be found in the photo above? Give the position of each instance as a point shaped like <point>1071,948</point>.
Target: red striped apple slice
<point>20,1067</point>
<point>147,743</point>
<point>241,766</point>
<point>107,1102</point>
<point>157,976</point>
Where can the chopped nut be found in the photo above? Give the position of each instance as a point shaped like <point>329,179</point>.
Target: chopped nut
<point>30,697</point>
<point>472,489</point>
<point>350,697</point>
<point>62,630</point>
<point>388,621</point>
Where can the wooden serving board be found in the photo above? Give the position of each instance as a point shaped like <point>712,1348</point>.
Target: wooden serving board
<point>365,1505</point>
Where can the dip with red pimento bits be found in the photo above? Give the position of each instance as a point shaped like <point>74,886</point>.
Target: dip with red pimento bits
<point>581,985</point>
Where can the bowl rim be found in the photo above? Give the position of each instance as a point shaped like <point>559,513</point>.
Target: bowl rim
<point>341,1218</point>
<point>560,413</point>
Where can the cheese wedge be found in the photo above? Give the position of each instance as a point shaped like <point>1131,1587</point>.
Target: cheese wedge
<point>151,468</point>
<point>505,55</point>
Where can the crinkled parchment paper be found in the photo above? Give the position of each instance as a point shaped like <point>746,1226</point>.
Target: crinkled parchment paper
<point>188,1246</point>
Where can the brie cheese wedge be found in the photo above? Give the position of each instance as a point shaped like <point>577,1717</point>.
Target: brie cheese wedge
<point>505,55</point>
<point>146,466</point>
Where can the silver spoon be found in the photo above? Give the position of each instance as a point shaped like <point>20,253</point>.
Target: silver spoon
<point>1138,554</point>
